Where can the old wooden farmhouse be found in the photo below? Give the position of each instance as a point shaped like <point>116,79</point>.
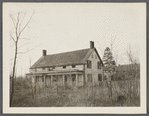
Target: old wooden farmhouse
<point>75,68</point>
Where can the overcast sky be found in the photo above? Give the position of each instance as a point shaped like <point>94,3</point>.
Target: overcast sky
<point>59,27</point>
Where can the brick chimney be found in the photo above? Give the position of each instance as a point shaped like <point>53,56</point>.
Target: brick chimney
<point>44,52</point>
<point>91,44</point>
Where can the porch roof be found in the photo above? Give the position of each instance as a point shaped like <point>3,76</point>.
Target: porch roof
<point>57,72</point>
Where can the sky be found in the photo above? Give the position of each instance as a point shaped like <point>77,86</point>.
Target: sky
<point>62,27</point>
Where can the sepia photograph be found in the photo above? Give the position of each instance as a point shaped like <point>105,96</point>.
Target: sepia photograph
<point>81,57</point>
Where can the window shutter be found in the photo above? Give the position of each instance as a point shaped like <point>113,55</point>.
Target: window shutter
<point>99,77</point>
<point>89,64</point>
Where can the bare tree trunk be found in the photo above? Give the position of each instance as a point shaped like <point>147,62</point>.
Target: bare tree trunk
<point>109,86</point>
<point>111,92</point>
<point>13,74</point>
<point>17,27</point>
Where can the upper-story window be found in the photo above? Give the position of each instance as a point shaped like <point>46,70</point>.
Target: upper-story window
<point>98,65</point>
<point>64,66</point>
<point>92,56</point>
<point>73,66</point>
<point>53,67</point>
<point>95,56</point>
<point>89,64</point>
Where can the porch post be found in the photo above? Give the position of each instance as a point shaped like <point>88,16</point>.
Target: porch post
<point>63,79</point>
<point>32,79</point>
<point>76,79</point>
<point>44,80</point>
<point>34,83</point>
<point>57,82</point>
<point>51,80</point>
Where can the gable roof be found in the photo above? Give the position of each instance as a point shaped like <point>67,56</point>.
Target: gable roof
<point>66,58</point>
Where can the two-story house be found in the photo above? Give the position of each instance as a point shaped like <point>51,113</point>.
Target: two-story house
<point>75,68</point>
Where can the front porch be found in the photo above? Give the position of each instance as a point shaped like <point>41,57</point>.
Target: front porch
<point>62,78</point>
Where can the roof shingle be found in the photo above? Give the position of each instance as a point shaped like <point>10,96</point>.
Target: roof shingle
<point>61,59</point>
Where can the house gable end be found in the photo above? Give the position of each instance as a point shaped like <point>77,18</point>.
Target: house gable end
<point>98,56</point>
<point>88,55</point>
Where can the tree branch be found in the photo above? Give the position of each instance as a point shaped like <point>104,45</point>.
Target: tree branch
<point>27,23</point>
<point>12,20</point>
<point>17,36</point>
<point>12,38</point>
<point>25,51</point>
<point>26,38</point>
<point>21,21</point>
<point>23,45</point>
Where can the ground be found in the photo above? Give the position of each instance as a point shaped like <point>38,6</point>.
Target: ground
<point>68,97</point>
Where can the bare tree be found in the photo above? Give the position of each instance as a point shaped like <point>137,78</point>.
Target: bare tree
<point>128,84</point>
<point>18,29</point>
<point>133,70</point>
<point>111,75</point>
<point>132,57</point>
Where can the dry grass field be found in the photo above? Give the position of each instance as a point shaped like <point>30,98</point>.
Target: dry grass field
<point>97,96</point>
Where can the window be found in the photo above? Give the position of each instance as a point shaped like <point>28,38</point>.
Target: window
<point>95,57</point>
<point>49,69</point>
<point>73,66</point>
<point>53,67</point>
<point>73,78</point>
<point>37,79</point>
<point>92,56</point>
<point>98,65</point>
<point>64,66</point>
<point>65,79</point>
<point>55,78</point>
<point>89,77</point>
<point>99,77</point>
<point>89,64</point>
